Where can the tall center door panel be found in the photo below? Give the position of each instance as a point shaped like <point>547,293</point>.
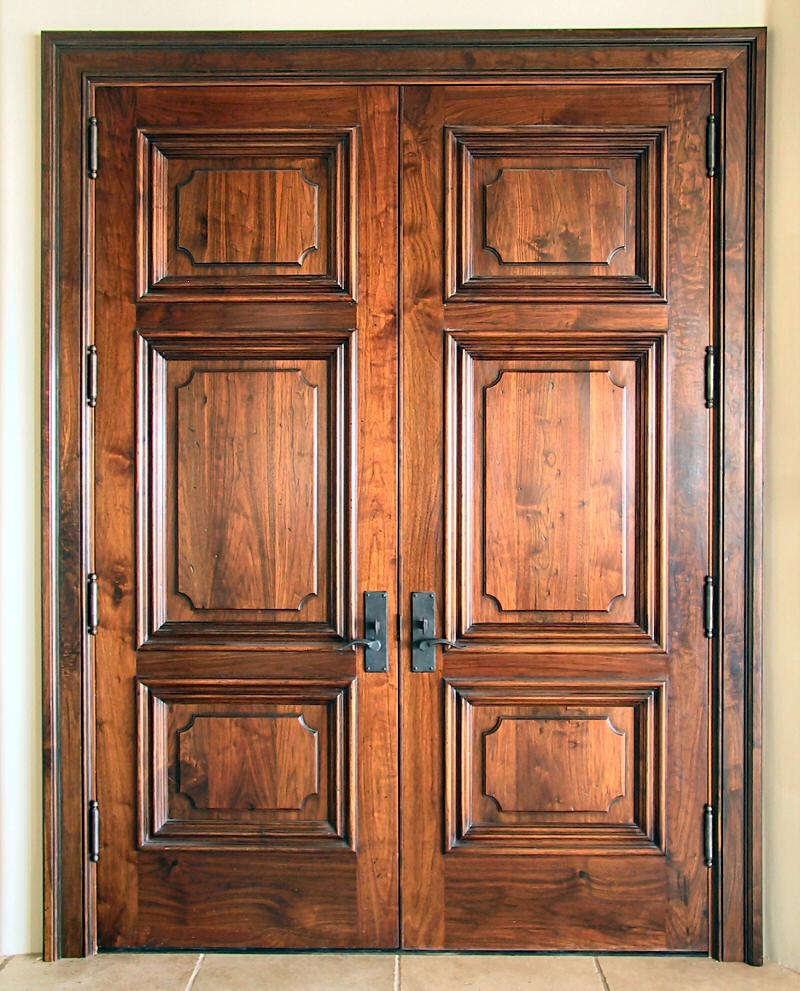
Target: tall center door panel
<point>245,432</point>
<point>556,306</point>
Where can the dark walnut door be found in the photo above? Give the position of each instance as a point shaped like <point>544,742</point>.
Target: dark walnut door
<point>245,500</point>
<point>556,308</point>
<point>556,303</point>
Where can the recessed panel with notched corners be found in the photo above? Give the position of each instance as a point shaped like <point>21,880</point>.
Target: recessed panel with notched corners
<point>555,457</point>
<point>246,764</point>
<point>256,214</point>
<point>545,212</point>
<point>537,768</point>
<point>245,480</point>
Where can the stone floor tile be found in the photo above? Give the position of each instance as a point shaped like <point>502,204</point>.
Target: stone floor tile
<point>494,972</point>
<point>693,974</point>
<point>106,972</point>
<point>296,972</point>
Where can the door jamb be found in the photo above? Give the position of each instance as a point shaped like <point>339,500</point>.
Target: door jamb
<point>74,64</point>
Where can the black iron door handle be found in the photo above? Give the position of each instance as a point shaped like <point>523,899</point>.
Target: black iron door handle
<point>369,644</point>
<point>423,632</point>
<point>376,627</point>
<point>427,644</point>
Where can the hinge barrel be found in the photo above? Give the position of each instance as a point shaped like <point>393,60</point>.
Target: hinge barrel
<point>91,375</point>
<point>93,151</point>
<point>94,831</point>
<point>711,377</point>
<point>709,602</point>
<point>711,146</point>
<point>708,835</point>
<point>92,605</point>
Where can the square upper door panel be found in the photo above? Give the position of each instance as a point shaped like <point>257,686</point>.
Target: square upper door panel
<point>252,215</point>
<point>555,213</point>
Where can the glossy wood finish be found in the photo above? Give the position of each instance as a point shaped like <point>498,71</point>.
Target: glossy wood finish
<point>555,763</point>
<point>267,213</point>
<point>226,509</point>
<point>555,216</point>
<point>229,765</point>
<point>596,465</point>
<point>554,500</point>
<point>249,762</point>
<point>247,514</point>
<point>212,204</point>
<point>555,213</point>
<point>75,69</point>
<point>571,513</point>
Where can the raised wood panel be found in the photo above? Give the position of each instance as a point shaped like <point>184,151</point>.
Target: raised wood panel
<point>245,466</point>
<point>248,216</point>
<point>266,760</point>
<point>545,213</point>
<point>254,764</point>
<point>538,767</point>
<point>247,459</point>
<point>567,216</point>
<point>555,763</point>
<point>556,460</point>
<point>555,464</point>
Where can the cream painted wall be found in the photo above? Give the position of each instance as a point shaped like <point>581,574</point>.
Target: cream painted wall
<point>20,24</point>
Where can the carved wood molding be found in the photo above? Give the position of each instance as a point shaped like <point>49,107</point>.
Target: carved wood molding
<point>732,61</point>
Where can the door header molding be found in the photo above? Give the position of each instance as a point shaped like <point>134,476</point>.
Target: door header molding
<point>730,61</point>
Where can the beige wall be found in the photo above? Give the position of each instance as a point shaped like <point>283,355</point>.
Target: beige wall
<point>22,20</point>
<point>782,551</point>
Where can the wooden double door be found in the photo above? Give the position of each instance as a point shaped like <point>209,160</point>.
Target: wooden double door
<point>402,364</point>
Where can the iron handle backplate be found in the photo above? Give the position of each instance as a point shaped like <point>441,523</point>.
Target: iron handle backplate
<point>423,632</point>
<point>376,628</point>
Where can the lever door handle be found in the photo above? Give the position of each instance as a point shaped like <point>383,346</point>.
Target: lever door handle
<point>376,629</point>
<point>427,644</point>
<point>423,633</point>
<point>369,644</point>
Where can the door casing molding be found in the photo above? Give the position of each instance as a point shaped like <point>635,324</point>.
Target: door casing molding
<point>75,64</point>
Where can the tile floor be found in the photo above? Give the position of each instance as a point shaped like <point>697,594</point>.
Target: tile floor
<point>386,972</point>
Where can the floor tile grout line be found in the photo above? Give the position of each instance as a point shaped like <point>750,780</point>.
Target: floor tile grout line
<point>600,974</point>
<point>396,982</point>
<point>193,977</point>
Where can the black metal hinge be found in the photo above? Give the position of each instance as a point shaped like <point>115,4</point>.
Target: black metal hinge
<point>91,375</point>
<point>92,605</point>
<point>711,377</point>
<point>708,835</point>
<point>93,831</point>
<point>92,150</point>
<point>711,146</point>
<point>709,607</point>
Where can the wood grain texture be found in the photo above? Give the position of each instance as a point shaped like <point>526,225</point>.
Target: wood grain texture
<point>267,761</point>
<point>633,616</point>
<point>248,216</point>
<point>227,456</point>
<point>555,767</point>
<point>732,62</point>
<point>515,406</point>
<point>555,484</point>
<point>540,211</point>
<point>245,474</point>
<point>247,453</point>
<point>567,215</point>
<point>554,763</point>
<point>264,765</point>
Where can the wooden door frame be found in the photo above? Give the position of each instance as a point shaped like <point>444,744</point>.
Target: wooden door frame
<point>74,64</point>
